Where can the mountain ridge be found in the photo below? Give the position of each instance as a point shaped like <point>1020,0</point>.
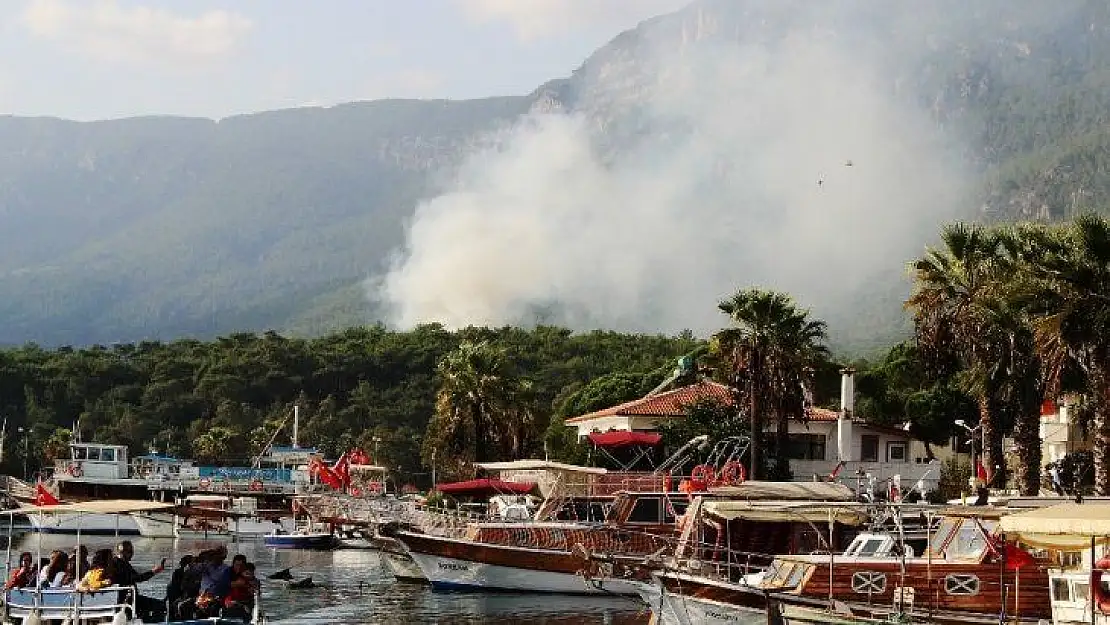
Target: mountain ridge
<point>164,226</point>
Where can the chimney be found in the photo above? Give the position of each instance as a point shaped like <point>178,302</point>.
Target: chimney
<point>847,408</point>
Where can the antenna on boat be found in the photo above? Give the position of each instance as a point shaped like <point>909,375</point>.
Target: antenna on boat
<point>3,438</point>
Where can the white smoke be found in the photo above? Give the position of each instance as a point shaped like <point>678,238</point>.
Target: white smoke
<point>741,177</point>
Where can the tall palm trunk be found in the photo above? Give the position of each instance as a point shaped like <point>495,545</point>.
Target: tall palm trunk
<point>990,442</point>
<point>1100,385</point>
<point>1027,444</point>
<point>782,441</point>
<point>755,450</point>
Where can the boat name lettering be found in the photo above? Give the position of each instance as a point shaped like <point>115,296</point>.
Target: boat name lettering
<point>721,616</point>
<point>453,566</point>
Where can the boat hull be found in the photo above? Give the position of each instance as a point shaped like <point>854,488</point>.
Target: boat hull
<point>317,542</point>
<point>451,564</point>
<point>402,567</point>
<point>90,524</point>
<point>162,526</point>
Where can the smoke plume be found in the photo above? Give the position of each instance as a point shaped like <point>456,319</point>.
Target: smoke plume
<point>794,165</point>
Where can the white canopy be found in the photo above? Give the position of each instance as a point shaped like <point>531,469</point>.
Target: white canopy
<point>786,511</point>
<point>1064,526</point>
<point>103,506</point>
<point>792,491</point>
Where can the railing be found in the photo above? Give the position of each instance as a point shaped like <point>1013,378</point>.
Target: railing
<point>67,604</point>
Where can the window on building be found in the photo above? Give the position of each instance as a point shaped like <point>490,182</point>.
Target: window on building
<point>896,452</point>
<point>869,448</point>
<point>806,447</point>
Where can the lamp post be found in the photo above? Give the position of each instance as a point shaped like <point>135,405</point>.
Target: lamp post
<point>982,448</point>
<point>376,440</point>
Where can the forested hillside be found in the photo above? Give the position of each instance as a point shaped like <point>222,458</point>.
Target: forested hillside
<point>220,401</point>
<point>162,227</point>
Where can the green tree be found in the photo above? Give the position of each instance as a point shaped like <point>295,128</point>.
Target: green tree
<point>768,356</point>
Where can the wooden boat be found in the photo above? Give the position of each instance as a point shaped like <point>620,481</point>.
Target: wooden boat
<point>961,578</point>
<point>569,557</point>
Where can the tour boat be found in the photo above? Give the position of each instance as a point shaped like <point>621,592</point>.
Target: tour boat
<point>211,516</point>
<point>32,605</point>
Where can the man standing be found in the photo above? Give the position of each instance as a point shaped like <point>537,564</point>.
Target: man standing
<point>126,575</point>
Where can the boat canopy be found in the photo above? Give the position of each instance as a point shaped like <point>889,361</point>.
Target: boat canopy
<point>791,491</point>
<point>624,438</point>
<point>485,488</point>
<point>769,511</point>
<point>1065,526</point>
<point>103,506</point>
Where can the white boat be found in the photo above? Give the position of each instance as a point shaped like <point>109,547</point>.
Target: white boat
<point>93,524</point>
<point>210,516</point>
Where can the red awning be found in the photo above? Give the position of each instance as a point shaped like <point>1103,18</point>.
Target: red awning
<point>625,439</point>
<point>485,488</point>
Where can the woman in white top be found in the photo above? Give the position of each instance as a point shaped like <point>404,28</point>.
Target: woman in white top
<point>52,574</point>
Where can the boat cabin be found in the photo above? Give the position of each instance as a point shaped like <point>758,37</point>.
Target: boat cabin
<point>94,461</point>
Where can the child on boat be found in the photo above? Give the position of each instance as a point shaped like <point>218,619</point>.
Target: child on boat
<point>25,575</point>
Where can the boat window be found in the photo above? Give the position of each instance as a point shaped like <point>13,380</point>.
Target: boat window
<point>1061,589</point>
<point>1081,591</point>
<point>969,541</point>
<point>941,535</point>
<point>94,453</point>
<point>676,506</point>
<point>1070,559</point>
<point>646,510</point>
<point>870,547</point>
<point>79,453</point>
<point>796,575</point>
<point>869,582</point>
<point>961,584</point>
<point>108,455</point>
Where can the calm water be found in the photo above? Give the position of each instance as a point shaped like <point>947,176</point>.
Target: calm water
<point>355,590</point>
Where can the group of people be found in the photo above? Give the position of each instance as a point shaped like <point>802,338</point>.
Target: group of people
<point>200,587</point>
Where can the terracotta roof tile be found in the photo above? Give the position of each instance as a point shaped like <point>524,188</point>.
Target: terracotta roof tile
<point>667,404</point>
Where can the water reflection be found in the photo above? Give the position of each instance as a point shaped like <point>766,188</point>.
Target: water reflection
<point>352,588</point>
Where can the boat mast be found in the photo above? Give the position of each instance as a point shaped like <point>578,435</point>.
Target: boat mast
<point>296,423</point>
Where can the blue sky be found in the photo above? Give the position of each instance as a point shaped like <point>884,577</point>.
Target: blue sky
<point>96,59</point>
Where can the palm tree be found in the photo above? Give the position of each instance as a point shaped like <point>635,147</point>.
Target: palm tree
<point>768,354</point>
<point>482,408</point>
<point>954,295</point>
<point>1068,271</point>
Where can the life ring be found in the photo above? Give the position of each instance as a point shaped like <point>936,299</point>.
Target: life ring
<point>256,486</point>
<point>356,491</point>
<point>1101,597</point>
<point>702,476</point>
<point>205,482</point>
<point>732,473</point>
<point>374,487</point>
<point>75,470</point>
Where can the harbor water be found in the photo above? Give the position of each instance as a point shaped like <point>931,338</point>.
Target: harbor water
<point>352,588</point>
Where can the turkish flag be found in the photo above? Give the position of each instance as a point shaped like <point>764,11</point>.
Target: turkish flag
<point>1017,558</point>
<point>43,496</point>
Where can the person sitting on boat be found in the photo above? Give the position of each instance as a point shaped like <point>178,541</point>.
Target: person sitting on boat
<point>100,572</point>
<point>126,575</point>
<point>215,582</point>
<point>80,558</point>
<point>25,575</point>
<point>54,573</point>
<point>240,596</point>
<point>175,590</point>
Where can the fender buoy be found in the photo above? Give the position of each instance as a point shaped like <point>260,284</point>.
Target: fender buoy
<point>668,483</point>
<point>1101,597</point>
<point>205,482</point>
<point>702,476</point>
<point>75,470</point>
<point>733,473</point>
<point>256,486</point>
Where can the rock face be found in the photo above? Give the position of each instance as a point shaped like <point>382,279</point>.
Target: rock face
<point>160,227</point>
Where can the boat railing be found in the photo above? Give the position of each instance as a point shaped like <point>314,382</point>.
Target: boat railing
<point>68,605</point>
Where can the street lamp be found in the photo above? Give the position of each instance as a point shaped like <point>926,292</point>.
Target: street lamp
<point>982,448</point>
<point>376,440</point>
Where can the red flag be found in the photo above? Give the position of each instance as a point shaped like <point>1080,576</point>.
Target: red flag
<point>981,472</point>
<point>1018,558</point>
<point>325,474</point>
<point>342,470</point>
<point>43,496</point>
